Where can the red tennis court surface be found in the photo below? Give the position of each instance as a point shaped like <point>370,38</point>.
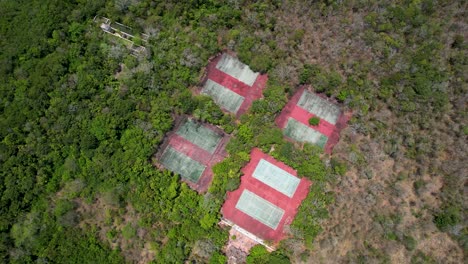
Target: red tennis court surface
<point>248,182</point>
<point>331,131</point>
<point>196,153</point>
<point>250,93</point>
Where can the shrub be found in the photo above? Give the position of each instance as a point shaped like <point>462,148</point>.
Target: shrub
<point>218,258</point>
<point>338,167</point>
<point>409,242</point>
<point>314,121</point>
<point>128,231</point>
<point>448,217</point>
<point>465,130</point>
<point>308,72</point>
<point>111,234</point>
<point>418,185</point>
<point>62,207</point>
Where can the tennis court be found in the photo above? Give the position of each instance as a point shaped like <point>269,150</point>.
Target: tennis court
<point>232,84</point>
<point>199,135</point>
<point>303,133</point>
<point>257,207</point>
<point>260,209</point>
<point>236,69</point>
<point>223,96</point>
<point>320,107</point>
<point>276,178</point>
<point>181,164</point>
<point>295,116</point>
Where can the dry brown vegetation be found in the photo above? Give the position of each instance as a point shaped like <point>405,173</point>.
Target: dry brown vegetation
<point>118,227</point>
<point>377,210</point>
<point>385,204</point>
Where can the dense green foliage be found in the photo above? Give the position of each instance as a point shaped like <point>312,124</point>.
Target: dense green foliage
<point>69,123</point>
<point>259,255</point>
<point>73,128</point>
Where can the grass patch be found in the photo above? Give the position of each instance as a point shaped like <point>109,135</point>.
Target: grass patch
<point>128,232</point>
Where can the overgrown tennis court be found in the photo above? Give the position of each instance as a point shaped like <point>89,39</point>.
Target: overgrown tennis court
<point>276,177</point>
<point>191,150</point>
<point>260,209</point>
<point>222,96</point>
<point>303,133</point>
<point>295,119</point>
<point>199,135</point>
<point>236,69</point>
<point>183,165</point>
<point>232,84</point>
<point>267,199</point>
<point>320,107</point>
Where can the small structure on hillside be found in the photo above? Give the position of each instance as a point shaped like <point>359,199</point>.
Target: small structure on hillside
<point>191,150</point>
<point>232,84</point>
<point>106,27</point>
<point>267,199</point>
<point>123,32</point>
<point>310,117</point>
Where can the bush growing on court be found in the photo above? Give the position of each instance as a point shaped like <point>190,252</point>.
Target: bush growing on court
<point>314,121</point>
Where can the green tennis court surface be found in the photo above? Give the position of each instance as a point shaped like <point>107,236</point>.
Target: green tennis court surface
<point>236,69</point>
<point>320,107</point>
<point>300,132</point>
<point>260,209</point>
<point>199,135</point>
<point>181,164</point>
<point>222,96</point>
<point>276,178</point>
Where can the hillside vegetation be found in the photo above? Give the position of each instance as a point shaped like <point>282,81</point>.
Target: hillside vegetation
<point>80,119</point>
